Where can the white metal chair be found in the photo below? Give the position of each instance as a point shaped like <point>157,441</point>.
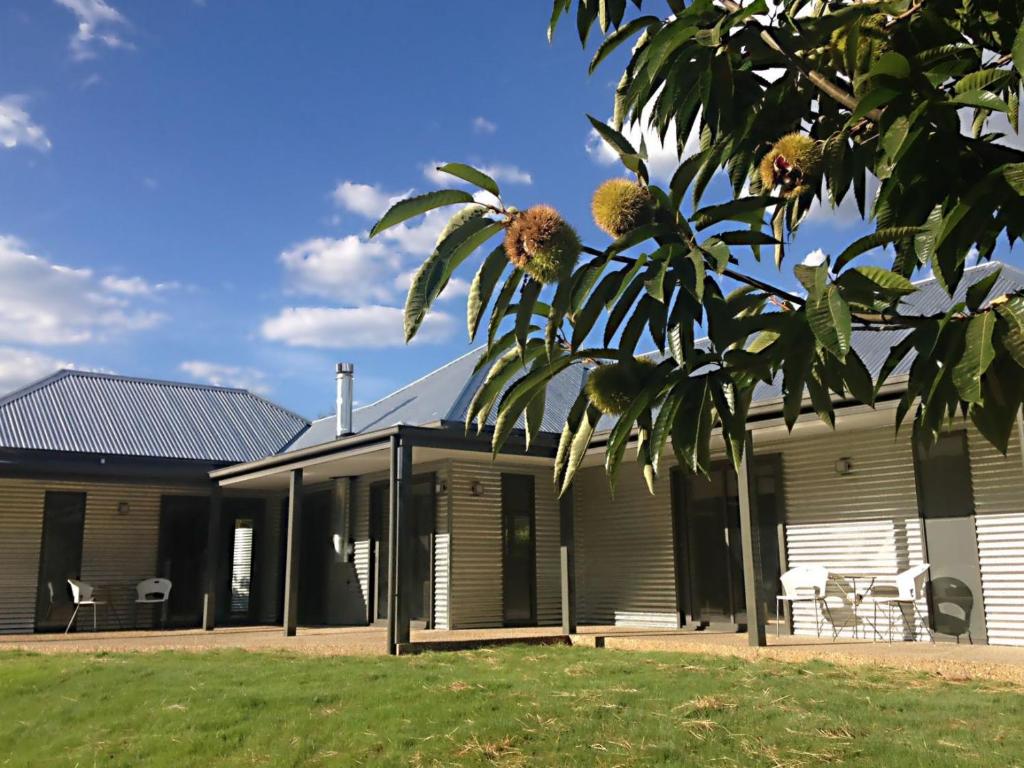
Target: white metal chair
<point>152,592</point>
<point>910,587</point>
<point>805,584</point>
<point>82,594</point>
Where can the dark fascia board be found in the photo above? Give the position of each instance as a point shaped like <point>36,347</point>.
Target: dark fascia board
<point>93,466</point>
<point>295,459</point>
<point>444,435</point>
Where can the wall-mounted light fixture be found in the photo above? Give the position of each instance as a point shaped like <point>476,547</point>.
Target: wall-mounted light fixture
<point>123,508</point>
<point>441,488</point>
<point>844,466</point>
<point>477,488</point>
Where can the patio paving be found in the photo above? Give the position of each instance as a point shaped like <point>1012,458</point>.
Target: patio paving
<point>948,660</point>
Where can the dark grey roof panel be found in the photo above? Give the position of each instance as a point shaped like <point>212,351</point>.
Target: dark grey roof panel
<point>84,412</point>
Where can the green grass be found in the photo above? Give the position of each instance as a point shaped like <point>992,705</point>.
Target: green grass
<point>514,706</point>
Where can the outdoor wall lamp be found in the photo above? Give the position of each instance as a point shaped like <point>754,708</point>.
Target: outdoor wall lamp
<point>123,508</point>
<point>844,466</point>
<point>477,488</point>
<point>441,488</point>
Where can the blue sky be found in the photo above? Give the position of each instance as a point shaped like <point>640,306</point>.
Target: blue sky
<point>185,186</point>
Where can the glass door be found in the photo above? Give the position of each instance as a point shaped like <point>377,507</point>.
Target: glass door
<point>709,546</point>
<point>60,559</point>
<point>519,586</point>
<point>183,531</point>
<point>417,566</point>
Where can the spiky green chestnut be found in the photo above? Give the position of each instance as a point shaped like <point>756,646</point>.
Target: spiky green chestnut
<point>613,387</point>
<point>540,242</point>
<point>793,165</point>
<point>621,205</point>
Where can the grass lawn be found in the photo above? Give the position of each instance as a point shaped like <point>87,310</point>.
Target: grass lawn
<point>513,706</point>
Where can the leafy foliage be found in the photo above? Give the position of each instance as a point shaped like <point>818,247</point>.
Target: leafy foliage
<point>799,103</point>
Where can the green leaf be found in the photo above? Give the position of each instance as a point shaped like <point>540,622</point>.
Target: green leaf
<point>619,36</point>
<point>978,355</point>
<point>576,439</point>
<point>829,317</point>
<point>629,156</point>
<point>736,210</point>
<point>1013,173</point>
<point>482,287</point>
<point>884,280</point>
<point>524,312</point>
<point>858,379</point>
<point>501,303</point>
<point>978,292</point>
<point>414,206</point>
<point>691,431</point>
<point>746,237</point>
<point>1018,50</point>
<point>981,100</point>
<point>433,275</point>
<point>498,377</point>
<point>516,398</point>
<point>868,242</point>
<point>535,415</point>
<point>891,64</point>
<point>472,175</point>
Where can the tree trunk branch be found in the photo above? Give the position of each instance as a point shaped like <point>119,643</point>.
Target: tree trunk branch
<point>822,83</point>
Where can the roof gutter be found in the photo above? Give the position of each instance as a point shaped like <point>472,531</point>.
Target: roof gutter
<point>295,459</point>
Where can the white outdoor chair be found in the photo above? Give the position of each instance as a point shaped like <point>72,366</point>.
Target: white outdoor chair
<point>152,592</point>
<point>910,587</point>
<point>82,594</point>
<point>805,584</point>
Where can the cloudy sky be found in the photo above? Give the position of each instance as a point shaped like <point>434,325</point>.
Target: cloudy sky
<point>186,185</point>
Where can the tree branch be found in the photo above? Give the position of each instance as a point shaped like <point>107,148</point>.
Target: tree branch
<point>819,80</point>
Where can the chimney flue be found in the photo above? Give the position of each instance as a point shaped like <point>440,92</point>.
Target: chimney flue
<point>343,423</point>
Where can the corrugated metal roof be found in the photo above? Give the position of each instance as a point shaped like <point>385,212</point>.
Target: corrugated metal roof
<point>80,411</point>
<point>445,394</point>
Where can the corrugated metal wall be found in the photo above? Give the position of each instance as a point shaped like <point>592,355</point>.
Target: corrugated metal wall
<point>999,517</point>
<point>118,550</point>
<point>21,529</point>
<point>476,546</point>
<point>625,567</point>
<point>865,522</point>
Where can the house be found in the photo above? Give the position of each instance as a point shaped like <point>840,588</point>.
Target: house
<point>483,543</point>
<point>106,478</point>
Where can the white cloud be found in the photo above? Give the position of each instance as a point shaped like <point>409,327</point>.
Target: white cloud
<point>19,367</point>
<point>500,172</point>
<point>97,27</point>
<point>350,268</point>
<point>221,375</point>
<point>17,127</point>
<point>483,125</point>
<point>348,327</point>
<point>815,258</point>
<point>135,286</point>
<point>46,303</point>
<point>365,199</point>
